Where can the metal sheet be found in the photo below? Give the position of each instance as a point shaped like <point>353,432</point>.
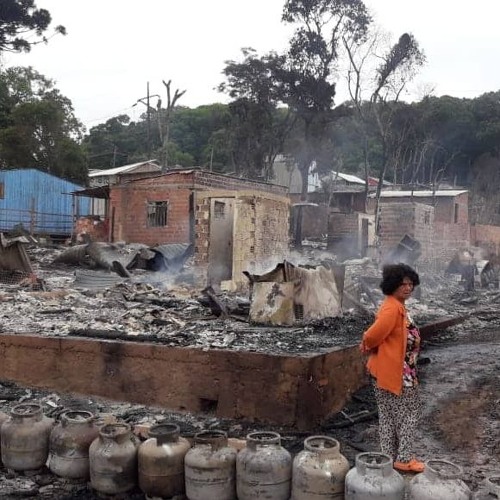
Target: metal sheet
<point>96,280</point>
<point>39,201</point>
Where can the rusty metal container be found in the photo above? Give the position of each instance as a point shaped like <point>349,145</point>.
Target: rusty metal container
<point>113,459</point>
<point>319,470</point>
<point>69,444</point>
<point>3,418</point>
<point>489,490</point>
<point>441,480</point>
<point>263,468</point>
<point>161,462</point>
<point>373,478</point>
<point>25,437</point>
<point>210,468</point>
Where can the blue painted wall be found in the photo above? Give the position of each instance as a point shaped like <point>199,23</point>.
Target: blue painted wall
<point>39,201</point>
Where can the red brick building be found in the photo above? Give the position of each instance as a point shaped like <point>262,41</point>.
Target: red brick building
<point>234,224</point>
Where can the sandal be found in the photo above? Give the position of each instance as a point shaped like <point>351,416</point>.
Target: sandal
<point>411,466</point>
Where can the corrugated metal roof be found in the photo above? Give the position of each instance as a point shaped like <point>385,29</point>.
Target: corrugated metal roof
<point>96,280</point>
<point>172,251</point>
<point>124,169</point>
<point>347,177</point>
<point>421,194</point>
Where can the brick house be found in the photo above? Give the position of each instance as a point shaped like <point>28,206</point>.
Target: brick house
<point>234,224</point>
<point>438,219</point>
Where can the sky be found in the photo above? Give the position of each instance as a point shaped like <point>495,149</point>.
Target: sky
<point>114,47</point>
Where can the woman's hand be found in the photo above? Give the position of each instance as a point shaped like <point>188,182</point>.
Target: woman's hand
<point>363,348</point>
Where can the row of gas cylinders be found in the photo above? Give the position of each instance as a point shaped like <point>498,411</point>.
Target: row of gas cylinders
<point>166,465</point>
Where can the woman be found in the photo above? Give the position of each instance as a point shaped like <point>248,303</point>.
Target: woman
<point>393,344</point>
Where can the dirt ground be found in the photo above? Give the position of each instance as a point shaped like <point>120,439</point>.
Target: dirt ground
<point>460,386</point>
<point>459,375</point>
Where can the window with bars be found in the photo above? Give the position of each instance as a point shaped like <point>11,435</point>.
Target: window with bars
<point>157,215</point>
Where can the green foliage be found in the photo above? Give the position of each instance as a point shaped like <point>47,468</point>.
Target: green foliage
<point>196,139</point>
<point>38,128</point>
<point>192,131</point>
<point>23,25</point>
<point>116,142</point>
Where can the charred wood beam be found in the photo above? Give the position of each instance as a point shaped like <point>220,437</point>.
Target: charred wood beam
<point>153,300</point>
<point>119,269</point>
<point>352,420</point>
<point>56,311</point>
<point>438,325</point>
<point>217,307</point>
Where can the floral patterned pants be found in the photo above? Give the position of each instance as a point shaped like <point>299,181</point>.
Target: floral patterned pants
<point>398,420</point>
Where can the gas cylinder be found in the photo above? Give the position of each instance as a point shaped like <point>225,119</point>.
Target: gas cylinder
<point>113,459</point>
<point>439,481</point>
<point>373,478</point>
<point>69,444</point>
<point>319,470</point>
<point>489,490</point>
<point>25,437</point>
<point>210,468</point>
<point>3,418</point>
<point>161,461</point>
<point>263,468</point>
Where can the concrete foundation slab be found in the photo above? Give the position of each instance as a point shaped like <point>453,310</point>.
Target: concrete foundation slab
<point>290,390</point>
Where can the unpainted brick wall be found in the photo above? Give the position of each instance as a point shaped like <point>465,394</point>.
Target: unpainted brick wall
<point>210,180</point>
<point>444,206</point>
<point>91,228</point>
<point>487,237</point>
<point>130,204</point>
<point>424,232</point>
<point>340,225</point>
<point>129,201</point>
<point>449,239</point>
<point>264,215</point>
<point>261,231</point>
<point>343,233</point>
<point>439,241</point>
<point>314,224</point>
<point>413,219</point>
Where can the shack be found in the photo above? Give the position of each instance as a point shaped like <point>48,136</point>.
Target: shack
<point>39,202</point>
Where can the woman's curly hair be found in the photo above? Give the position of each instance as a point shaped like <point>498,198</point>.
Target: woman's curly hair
<point>393,276</point>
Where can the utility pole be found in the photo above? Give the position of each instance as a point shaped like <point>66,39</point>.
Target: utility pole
<point>148,115</point>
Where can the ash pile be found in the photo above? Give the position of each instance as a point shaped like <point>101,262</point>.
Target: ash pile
<point>135,293</point>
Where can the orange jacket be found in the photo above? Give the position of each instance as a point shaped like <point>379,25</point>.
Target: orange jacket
<point>386,339</point>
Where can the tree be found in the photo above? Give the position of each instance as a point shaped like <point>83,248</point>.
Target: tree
<point>398,64</point>
<point>198,136</point>
<point>23,25</point>
<point>202,133</point>
<point>258,128</point>
<point>116,142</point>
<point>308,79</point>
<point>164,117</point>
<point>39,128</point>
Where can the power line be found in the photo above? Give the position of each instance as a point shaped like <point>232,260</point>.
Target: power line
<point>111,116</point>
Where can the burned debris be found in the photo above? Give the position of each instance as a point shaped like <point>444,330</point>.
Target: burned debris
<point>290,294</point>
<point>202,326</point>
